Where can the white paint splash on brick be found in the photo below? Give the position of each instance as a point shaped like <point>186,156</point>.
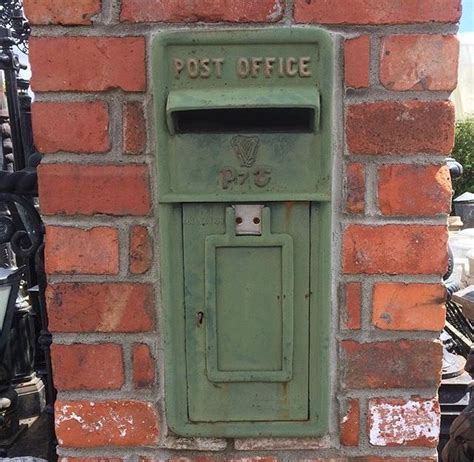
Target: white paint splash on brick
<point>275,13</point>
<point>392,423</point>
<point>65,416</point>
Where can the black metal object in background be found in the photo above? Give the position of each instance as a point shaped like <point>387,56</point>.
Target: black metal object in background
<point>21,227</point>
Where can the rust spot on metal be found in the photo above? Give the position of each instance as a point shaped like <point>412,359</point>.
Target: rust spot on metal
<point>284,413</point>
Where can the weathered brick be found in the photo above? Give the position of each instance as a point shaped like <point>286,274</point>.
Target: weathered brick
<point>134,128</point>
<point>414,190</point>
<point>391,364</point>
<point>394,127</point>
<point>351,311</point>
<point>90,459</point>
<point>375,459</point>
<point>72,189</point>
<point>357,61</point>
<point>419,62</point>
<point>143,366</point>
<point>87,63</point>
<point>202,10</point>
<point>87,367</point>
<point>392,459</point>
<point>141,250</point>
<point>116,307</point>
<point>396,422</point>
<point>355,188</point>
<point>282,444</point>
<point>79,12</point>
<point>395,249</point>
<point>91,424</point>
<point>350,426</point>
<point>398,306</point>
<point>377,11</point>
<point>72,126</point>
<point>87,251</point>
<point>215,459</point>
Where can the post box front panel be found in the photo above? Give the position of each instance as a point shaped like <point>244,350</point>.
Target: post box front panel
<point>244,362</point>
<point>247,120</point>
<point>243,124</point>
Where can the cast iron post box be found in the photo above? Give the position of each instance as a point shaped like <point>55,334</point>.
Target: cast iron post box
<point>243,123</point>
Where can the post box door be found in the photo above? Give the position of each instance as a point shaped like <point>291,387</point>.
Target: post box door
<point>247,314</point>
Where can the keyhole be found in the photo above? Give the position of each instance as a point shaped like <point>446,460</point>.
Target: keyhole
<point>200,317</point>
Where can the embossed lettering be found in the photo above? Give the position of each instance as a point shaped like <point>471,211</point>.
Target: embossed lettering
<point>205,69</point>
<point>193,68</point>
<point>178,67</point>
<point>218,64</point>
<point>243,68</point>
<point>305,71</point>
<point>262,176</point>
<point>291,67</point>
<point>198,67</point>
<point>255,66</point>
<point>256,62</point>
<point>268,68</point>
<point>228,177</point>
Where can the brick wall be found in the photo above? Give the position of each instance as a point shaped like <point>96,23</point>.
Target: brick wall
<point>394,126</point>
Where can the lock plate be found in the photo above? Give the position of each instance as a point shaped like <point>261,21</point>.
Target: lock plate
<point>248,220</point>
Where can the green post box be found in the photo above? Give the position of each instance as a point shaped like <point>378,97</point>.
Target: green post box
<point>243,123</point>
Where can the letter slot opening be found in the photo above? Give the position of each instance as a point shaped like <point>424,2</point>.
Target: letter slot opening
<point>258,110</point>
<point>267,120</point>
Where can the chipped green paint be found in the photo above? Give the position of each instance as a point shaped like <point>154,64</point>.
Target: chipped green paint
<point>244,116</point>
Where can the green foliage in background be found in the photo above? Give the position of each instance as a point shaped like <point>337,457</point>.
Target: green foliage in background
<point>463,152</point>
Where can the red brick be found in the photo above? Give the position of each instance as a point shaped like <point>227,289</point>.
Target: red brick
<point>398,306</point>
<point>414,190</point>
<point>357,61</point>
<point>351,312</point>
<point>79,12</point>
<point>87,63</point>
<point>87,367</point>
<point>395,249</point>
<point>419,62</point>
<point>72,189</point>
<point>396,422</point>
<point>74,127</point>
<point>215,459</point>
<point>90,459</point>
<point>202,10</point>
<point>108,307</point>
<point>377,11</point>
<point>355,188</point>
<point>271,459</point>
<point>92,424</point>
<point>392,127</point>
<point>400,364</point>
<point>350,424</point>
<point>134,129</point>
<point>391,459</point>
<point>143,366</point>
<point>141,250</point>
<point>81,251</point>
<point>374,459</point>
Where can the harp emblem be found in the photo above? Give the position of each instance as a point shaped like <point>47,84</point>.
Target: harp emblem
<point>246,148</point>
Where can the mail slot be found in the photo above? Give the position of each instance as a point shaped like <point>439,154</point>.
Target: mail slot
<point>243,122</point>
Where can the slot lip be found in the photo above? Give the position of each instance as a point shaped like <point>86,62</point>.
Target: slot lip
<point>244,99</point>
<point>246,120</point>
